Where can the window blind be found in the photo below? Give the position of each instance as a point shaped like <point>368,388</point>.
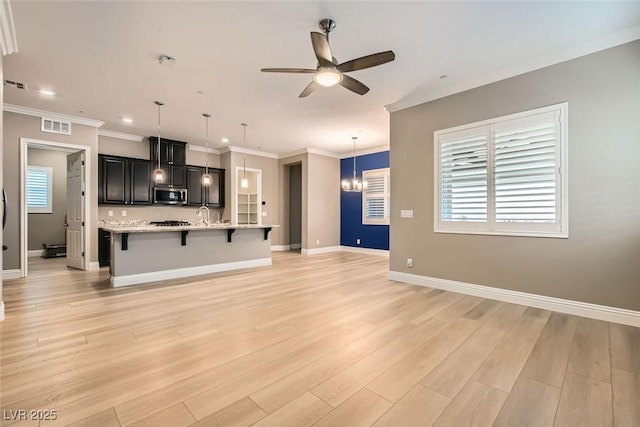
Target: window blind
<point>376,198</point>
<point>39,189</point>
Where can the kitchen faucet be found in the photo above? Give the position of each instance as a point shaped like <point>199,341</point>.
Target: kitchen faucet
<point>199,213</point>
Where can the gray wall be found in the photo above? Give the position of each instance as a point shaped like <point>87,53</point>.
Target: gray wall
<point>295,204</point>
<point>49,227</point>
<point>323,211</point>
<point>17,126</point>
<point>599,262</point>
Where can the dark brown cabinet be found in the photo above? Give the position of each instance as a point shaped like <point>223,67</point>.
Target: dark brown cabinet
<point>171,152</point>
<point>176,176</point>
<point>124,181</point>
<point>198,195</point>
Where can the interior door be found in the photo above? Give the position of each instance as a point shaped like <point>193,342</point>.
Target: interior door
<point>75,210</point>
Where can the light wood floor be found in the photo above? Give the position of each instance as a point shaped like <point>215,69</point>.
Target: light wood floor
<point>324,340</point>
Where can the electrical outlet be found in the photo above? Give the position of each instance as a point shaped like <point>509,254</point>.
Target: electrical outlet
<point>110,213</point>
<point>410,262</point>
<point>357,241</point>
<point>317,242</point>
<point>124,212</point>
<point>264,213</point>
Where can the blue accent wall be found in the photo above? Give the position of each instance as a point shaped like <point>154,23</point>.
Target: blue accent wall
<point>351,227</point>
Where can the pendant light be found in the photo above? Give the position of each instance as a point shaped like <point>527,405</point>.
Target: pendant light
<point>354,185</point>
<point>244,182</point>
<point>158,174</point>
<point>206,178</point>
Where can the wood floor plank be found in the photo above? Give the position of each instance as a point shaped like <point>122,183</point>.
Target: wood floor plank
<point>241,413</point>
<point>396,381</point>
<point>548,360</point>
<point>304,410</point>
<point>626,397</point>
<point>420,406</point>
<point>584,402</point>
<point>590,350</point>
<point>450,376</point>
<point>280,392</point>
<point>476,405</point>
<point>530,404</point>
<point>361,409</point>
<point>105,418</point>
<point>176,415</point>
<point>502,367</point>
<point>625,347</point>
<point>331,324</point>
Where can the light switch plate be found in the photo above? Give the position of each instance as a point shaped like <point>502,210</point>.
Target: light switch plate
<point>406,213</point>
<point>264,214</point>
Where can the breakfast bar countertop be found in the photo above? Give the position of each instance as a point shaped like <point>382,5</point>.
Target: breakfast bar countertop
<point>147,228</point>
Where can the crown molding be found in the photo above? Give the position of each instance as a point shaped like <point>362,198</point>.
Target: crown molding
<point>8,41</point>
<point>365,151</point>
<point>120,135</point>
<point>50,115</point>
<point>202,149</point>
<point>309,150</point>
<point>249,151</point>
<point>614,39</point>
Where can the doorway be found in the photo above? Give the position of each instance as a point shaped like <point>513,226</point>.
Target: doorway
<point>71,175</point>
<point>295,207</point>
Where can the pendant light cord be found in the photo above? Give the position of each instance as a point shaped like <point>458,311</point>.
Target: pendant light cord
<point>244,157</point>
<point>159,104</point>
<point>206,142</point>
<point>354,158</point>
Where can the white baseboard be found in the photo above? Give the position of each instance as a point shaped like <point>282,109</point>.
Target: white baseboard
<point>369,251</point>
<point>11,274</point>
<point>1,311</point>
<point>324,250</point>
<point>134,279</point>
<point>295,246</point>
<point>279,248</point>
<point>35,252</point>
<point>578,308</point>
<point>95,265</point>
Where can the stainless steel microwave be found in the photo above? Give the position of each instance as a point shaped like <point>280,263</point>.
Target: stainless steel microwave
<point>169,196</point>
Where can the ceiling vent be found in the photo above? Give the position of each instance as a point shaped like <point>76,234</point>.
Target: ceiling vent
<point>17,85</point>
<point>56,126</point>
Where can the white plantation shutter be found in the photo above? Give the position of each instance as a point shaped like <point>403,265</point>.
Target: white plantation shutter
<point>504,176</point>
<point>376,198</point>
<point>526,154</point>
<point>463,176</point>
<point>39,189</point>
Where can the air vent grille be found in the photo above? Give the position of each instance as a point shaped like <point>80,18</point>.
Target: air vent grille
<point>17,85</point>
<point>56,126</point>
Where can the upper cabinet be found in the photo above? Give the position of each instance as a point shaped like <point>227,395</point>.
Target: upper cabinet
<point>171,152</point>
<point>123,181</point>
<point>211,195</point>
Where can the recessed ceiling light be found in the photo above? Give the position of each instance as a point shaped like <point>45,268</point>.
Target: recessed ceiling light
<point>224,139</point>
<point>444,76</point>
<point>47,92</point>
<point>127,120</point>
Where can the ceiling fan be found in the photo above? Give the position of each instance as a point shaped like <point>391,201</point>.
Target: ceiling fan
<point>329,71</point>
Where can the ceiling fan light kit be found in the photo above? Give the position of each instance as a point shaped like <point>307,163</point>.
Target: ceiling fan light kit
<point>329,72</point>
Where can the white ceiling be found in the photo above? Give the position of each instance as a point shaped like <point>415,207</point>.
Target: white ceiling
<point>101,58</point>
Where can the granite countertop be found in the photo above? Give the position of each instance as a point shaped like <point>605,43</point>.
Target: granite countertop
<point>146,228</point>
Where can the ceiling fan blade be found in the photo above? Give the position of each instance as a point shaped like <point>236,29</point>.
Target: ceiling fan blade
<point>353,85</point>
<point>322,49</point>
<point>309,89</point>
<point>288,70</point>
<point>367,61</point>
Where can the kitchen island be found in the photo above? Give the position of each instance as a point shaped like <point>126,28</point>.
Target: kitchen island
<point>148,253</point>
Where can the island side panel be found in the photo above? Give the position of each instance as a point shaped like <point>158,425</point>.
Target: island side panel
<point>162,251</point>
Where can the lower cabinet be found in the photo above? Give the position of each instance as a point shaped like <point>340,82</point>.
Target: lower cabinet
<point>198,194</point>
<point>104,248</point>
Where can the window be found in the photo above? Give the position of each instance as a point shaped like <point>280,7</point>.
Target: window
<point>376,199</point>
<point>504,176</point>
<point>39,182</point>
